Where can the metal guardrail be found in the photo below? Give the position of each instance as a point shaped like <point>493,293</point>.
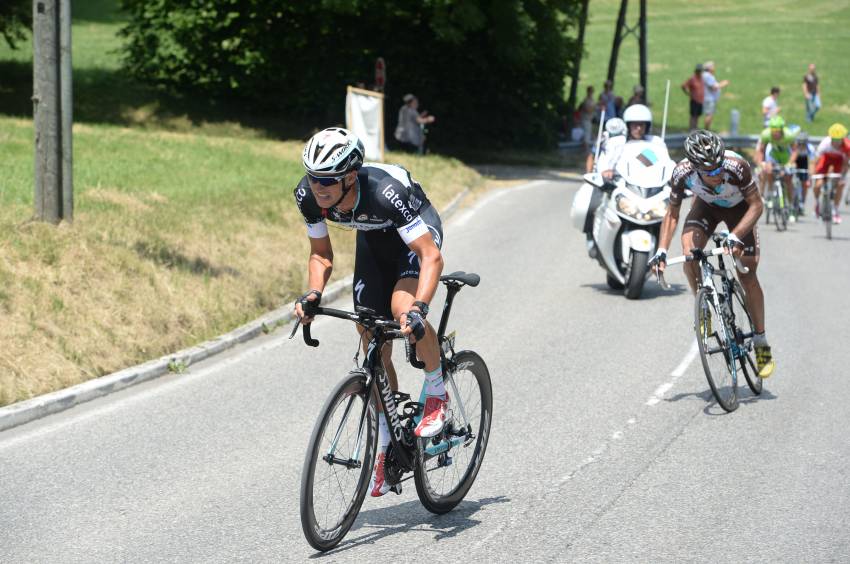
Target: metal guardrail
<point>677,141</point>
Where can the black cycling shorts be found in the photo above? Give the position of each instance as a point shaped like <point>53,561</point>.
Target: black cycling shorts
<point>382,259</point>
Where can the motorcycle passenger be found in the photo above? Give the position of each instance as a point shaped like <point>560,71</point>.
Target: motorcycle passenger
<point>397,263</point>
<point>638,119</point>
<point>723,185</point>
<point>615,128</point>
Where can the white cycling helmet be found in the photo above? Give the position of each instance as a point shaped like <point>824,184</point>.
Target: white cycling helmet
<point>638,112</point>
<point>615,127</point>
<point>333,152</point>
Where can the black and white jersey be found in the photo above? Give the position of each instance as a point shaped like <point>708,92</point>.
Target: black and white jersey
<point>388,198</point>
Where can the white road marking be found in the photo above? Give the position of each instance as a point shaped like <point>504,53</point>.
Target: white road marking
<point>461,220</point>
<point>675,375</point>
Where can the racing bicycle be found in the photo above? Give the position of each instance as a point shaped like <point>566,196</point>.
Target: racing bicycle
<point>722,323</point>
<point>338,465</point>
<point>775,204</point>
<point>827,193</point>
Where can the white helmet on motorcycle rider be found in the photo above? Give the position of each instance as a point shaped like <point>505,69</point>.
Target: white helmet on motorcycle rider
<point>638,113</point>
<point>615,127</point>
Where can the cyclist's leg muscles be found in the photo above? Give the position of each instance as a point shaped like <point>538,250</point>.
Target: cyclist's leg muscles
<point>372,287</point>
<point>752,251</point>
<point>698,225</point>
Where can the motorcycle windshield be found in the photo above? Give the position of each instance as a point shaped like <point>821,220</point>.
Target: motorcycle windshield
<point>645,167</point>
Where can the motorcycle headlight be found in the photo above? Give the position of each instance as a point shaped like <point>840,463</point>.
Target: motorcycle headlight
<point>659,210</point>
<point>627,207</point>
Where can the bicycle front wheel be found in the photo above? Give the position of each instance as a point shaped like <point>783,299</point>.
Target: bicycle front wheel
<point>715,351</point>
<point>744,331</point>
<point>338,464</point>
<point>826,211</point>
<point>446,465</point>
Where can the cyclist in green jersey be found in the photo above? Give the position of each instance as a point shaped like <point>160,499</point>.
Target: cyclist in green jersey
<point>775,146</point>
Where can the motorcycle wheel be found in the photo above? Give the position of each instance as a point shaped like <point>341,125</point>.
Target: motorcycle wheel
<point>636,275</point>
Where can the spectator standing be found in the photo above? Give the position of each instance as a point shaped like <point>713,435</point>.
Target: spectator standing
<point>695,88</point>
<point>608,101</point>
<point>811,90</point>
<point>637,97</point>
<point>712,92</point>
<point>587,109</point>
<point>770,105</point>
<point>410,129</point>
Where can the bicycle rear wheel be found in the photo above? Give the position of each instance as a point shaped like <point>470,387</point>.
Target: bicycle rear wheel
<point>337,470</point>
<point>715,351</point>
<point>446,466</point>
<point>743,336</point>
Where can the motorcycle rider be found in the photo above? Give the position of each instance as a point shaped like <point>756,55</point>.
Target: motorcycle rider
<point>638,119</point>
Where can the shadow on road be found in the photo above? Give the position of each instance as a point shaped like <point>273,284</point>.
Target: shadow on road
<point>745,396</point>
<point>650,291</point>
<point>375,524</point>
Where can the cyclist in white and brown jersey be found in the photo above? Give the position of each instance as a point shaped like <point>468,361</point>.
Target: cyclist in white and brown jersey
<point>723,188</point>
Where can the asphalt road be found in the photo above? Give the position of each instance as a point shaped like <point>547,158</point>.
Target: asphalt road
<point>606,445</point>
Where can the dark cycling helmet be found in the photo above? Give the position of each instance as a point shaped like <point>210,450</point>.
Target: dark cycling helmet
<point>704,149</point>
<point>333,152</point>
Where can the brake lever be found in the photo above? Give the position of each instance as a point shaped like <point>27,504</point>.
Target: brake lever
<point>295,327</point>
<point>659,276</point>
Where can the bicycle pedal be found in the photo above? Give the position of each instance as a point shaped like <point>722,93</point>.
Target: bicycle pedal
<point>396,489</point>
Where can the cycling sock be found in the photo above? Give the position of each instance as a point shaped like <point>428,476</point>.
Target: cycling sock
<point>383,432</point>
<point>434,385</point>
<point>759,340</point>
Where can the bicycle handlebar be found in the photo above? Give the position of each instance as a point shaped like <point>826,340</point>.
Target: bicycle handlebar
<point>690,258</point>
<point>393,329</point>
<point>830,175</point>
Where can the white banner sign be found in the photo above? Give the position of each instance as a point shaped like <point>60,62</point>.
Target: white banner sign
<point>364,116</point>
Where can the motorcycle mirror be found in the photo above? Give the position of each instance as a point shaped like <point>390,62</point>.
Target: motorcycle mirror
<point>594,178</point>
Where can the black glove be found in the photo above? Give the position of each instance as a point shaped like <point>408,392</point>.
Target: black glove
<point>416,322</point>
<point>660,257</point>
<point>308,306</point>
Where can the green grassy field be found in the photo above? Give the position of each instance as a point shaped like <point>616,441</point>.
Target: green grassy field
<point>185,225</point>
<point>755,45</point>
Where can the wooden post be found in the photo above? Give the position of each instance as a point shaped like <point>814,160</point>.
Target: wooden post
<point>52,109</point>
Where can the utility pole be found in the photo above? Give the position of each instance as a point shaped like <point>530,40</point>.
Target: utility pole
<point>620,33</point>
<point>52,110</point>
<point>571,102</point>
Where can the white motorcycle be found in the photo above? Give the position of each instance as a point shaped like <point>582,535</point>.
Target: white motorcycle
<point>622,218</point>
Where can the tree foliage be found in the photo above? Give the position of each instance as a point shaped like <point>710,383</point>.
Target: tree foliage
<point>491,70</point>
<point>15,20</point>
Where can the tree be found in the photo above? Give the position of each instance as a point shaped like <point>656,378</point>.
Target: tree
<point>492,71</point>
<point>15,20</point>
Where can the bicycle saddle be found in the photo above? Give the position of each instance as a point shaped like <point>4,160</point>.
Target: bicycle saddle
<point>468,278</point>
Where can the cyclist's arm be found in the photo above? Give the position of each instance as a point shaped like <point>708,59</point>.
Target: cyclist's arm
<point>320,264</point>
<point>753,213</point>
<point>759,154</point>
<point>430,266</point>
<point>668,225</point>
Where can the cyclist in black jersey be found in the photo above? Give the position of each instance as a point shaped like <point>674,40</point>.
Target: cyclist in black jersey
<point>398,259</point>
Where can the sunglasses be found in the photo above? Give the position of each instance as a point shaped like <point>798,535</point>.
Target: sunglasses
<point>325,181</point>
<point>713,172</point>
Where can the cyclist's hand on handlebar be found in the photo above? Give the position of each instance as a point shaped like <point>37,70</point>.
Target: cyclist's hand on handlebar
<point>659,261</point>
<point>305,304</point>
<point>735,245</point>
<point>413,324</point>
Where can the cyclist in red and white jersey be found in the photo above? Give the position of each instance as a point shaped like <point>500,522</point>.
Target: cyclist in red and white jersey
<point>832,153</point>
